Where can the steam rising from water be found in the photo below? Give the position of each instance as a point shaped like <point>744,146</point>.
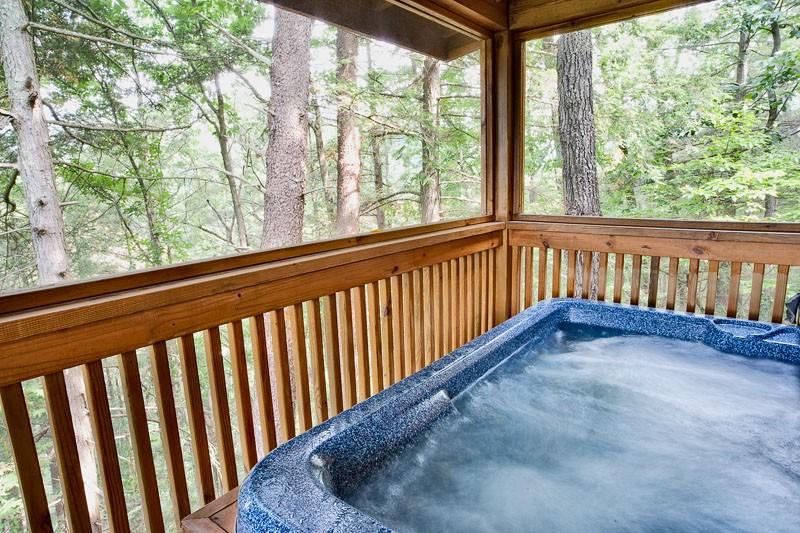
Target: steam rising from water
<point>606,434</point>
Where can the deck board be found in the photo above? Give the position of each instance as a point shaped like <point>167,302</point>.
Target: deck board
<point>218,516</point>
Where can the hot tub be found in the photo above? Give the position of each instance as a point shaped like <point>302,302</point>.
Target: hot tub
<point>572,416</point>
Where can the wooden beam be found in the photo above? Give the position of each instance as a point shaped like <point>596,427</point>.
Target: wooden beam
<point>490,14</point>
<point>426,31</point>
<point>538,18</point>
<point>26,299</point>
<point>127,321</point>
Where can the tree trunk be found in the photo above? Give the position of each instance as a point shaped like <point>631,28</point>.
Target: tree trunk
<point>227,163</point>
<point>348,164</point>
<point>47,225</point>
<point>284,192</point>
<point>741,61</point>
<point>771,201</point>
<point>376,142</point>
<point>430,190</point>
<point>322,161</point>
<point>576,131</point>
<point>376,135</point>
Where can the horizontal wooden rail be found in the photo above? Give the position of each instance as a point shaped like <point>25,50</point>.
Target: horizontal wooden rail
<point>17,301</point>
<point>733,273</point>
<point>320,332</point>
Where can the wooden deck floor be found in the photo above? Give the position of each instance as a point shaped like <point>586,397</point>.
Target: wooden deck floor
<point>218,516</point>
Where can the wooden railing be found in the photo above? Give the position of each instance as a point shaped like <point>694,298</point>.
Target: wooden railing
<point>732,273</point>
<point>308,335</point>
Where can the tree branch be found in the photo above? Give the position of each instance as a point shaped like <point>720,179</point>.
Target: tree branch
<point>99,22</point>
<point>103,127</point>
<point>255,54</point>
<point>98,39</point>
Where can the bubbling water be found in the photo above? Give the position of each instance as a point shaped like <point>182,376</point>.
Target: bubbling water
<point>608,433</point>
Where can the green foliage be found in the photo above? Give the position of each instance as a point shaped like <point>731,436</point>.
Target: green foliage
<point>676,136</point>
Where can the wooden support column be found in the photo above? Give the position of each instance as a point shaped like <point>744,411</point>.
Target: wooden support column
<point>505,84</point>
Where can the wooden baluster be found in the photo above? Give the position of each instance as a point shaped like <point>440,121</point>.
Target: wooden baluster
<point>652,288</point>
<point>436,278</point>
<point>241,392</point>
<point>778,303</point>
<point>395,285</point>
<point>63,433</point>
<point>733,290</point>
<point>602,277</point>
<point>302,400</point>
<point>196,418</point>
<point>756,290</point>
<point>408,325</point>
<point>26,460</point>
<point>455,327</point>
<point>586,275</point>
<point>387,333</point>
<point>280,357</point>
<point>419,344</point>
<point>373,323</point>
<point>542,281</point>
<point>170,433</point>
<point>470,298</point>
<point>490,290</point>
<point>105,443</point>
<point>528,276</point>
<point>362,343</point>
<point>447,325</point>
<point>619,276</point>
<point>220,408</point>
<point>427,316</point>
<point>672,283</point>
<point>691,285</point>
<point>711,287</point>
<point>348,365</point>
<point>476,296</point>
<point>556,281</point>
<point>516,268</point>
<point>571,265</point>
<point>484,255</point>
<point>319,395</point>
<point>258,340</point>
<point>332,356</point>
<point>140,440</point>
<point>636,279</point>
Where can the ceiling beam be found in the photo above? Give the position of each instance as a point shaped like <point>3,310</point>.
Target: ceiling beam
<point>538,18</point>
<point>407,26</point>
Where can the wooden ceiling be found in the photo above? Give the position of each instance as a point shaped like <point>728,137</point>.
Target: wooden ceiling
<point>543,17</point>
<point>446,29</point>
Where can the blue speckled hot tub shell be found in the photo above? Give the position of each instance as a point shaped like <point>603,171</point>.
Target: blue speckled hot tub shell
<point>295,488</point>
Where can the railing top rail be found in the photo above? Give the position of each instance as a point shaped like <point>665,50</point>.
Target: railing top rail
<point>26,299</point>
<point>72,333</point>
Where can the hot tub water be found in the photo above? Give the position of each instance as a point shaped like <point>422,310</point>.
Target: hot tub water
<point>592,431</point>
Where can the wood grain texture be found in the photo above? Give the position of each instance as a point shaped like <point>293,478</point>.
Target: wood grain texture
<point>346,349</point>
<point>170,432</point>
<point>332,355</point>
<point>220,409</point>
<point>362,342</point>
<point>140,440</point>
<point>106,446</point>
<point>26,459</point>
<point>319,394</point>
<point>712,276</point>
<point>241,394</point>
<point>756,289</point>
<point>264,378</point>
<point>299,354</point>
<point>196,418</point>
<point>69,468</point>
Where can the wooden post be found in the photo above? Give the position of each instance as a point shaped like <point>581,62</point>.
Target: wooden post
<point>504,69</point>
